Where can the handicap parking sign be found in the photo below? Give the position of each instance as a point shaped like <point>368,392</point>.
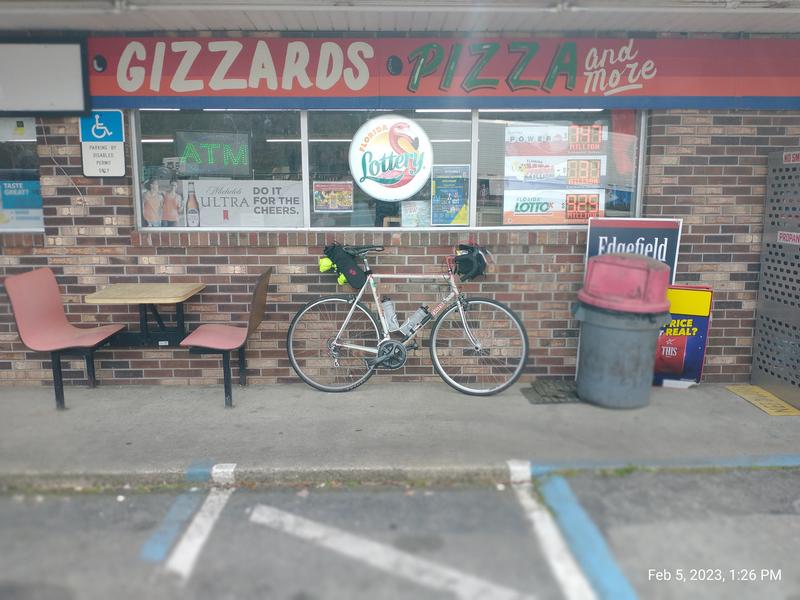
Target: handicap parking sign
<point>103,144</point>
<point>103,126</point>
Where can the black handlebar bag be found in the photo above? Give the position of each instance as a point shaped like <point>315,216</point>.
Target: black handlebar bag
<point>346,264</point>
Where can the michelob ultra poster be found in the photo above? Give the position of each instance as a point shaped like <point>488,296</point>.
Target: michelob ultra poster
<point>167,201</point>
<point>681,347</point>
<point>243,203</point>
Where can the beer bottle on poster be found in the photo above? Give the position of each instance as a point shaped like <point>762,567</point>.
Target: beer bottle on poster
<point>192,208</point>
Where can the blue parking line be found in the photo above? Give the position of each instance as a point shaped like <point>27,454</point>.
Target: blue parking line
<point>199,471</point>
<point>586,542</point>
<point>158,545</point>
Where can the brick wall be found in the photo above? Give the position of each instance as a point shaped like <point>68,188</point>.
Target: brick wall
<point>707,168</point>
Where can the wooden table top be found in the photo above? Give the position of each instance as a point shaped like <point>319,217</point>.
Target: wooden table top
<point>145,293</point>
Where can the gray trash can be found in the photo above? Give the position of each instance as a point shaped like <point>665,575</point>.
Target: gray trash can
<point>621,307</point>
<point>616,356</point>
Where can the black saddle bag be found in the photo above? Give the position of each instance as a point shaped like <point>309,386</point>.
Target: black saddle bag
<point>346,265</point>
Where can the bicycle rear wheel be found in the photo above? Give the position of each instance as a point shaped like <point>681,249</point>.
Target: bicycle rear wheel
<point>496,359</point>
<point>316,359</point>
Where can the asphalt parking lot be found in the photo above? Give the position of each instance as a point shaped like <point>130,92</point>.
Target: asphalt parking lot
<point>699,533</point>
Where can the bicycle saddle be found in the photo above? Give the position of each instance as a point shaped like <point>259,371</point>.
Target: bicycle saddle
<point>359,250</point>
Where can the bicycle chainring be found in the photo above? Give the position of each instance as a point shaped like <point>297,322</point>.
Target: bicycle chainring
<point>395,352</point>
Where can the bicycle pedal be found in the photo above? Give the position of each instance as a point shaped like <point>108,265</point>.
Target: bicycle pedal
<point>412,346</point>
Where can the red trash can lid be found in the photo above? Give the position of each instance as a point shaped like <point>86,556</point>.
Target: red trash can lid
<point>626,283</point>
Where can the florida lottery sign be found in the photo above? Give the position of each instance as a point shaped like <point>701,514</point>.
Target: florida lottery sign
<point>391,158</point>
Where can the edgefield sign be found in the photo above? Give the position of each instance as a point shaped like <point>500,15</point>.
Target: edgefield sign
<point>390,158</point>
<point>654,238</point>
<point>255,72</point>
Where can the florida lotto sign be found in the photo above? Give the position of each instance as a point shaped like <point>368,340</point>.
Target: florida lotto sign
<point>391,158</point>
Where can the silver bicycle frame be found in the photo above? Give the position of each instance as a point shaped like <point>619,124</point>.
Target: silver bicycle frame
<point>372,278</point>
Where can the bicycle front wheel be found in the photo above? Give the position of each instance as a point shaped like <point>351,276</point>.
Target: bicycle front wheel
<point>322,361</point>
<point>482,353</point>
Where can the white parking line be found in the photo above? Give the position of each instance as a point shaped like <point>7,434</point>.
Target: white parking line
<point>569,575</point>
<point>385,558</point>
<point>222,474</point>
<point>184,556</point>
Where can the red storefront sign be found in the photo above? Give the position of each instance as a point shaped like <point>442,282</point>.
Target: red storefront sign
<point>264,72</point>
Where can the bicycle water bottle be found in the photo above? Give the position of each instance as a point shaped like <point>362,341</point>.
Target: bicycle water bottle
<point>389,314</point>
<point>415,320</point>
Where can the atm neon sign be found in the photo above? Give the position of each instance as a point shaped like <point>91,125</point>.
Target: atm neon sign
<point>213,153</point>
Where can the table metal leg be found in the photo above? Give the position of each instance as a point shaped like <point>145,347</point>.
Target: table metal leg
<point>143,323</point>
<point>157,317</point>
<point>90,376</point>
<point>181,325</point>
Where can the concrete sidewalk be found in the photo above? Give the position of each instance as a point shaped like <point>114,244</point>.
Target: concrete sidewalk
<point>380,432</point>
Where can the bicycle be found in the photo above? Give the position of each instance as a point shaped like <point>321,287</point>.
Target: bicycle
<point>477,345</point>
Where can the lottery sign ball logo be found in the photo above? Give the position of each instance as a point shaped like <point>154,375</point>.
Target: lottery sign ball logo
<point>391,158</point>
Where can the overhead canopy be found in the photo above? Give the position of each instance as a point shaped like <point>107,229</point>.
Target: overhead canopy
<point>518,16</point>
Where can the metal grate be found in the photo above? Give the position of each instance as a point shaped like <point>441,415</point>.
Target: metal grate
<point>776,350</point>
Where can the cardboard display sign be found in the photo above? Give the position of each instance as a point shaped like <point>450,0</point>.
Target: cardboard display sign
<point>681,347</point>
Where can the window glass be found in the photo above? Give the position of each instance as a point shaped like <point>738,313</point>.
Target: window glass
<point>243,169</point>
<point>230,169</point>
<point>557,168</point>
<point>20,193</point>
<point>338,201</point>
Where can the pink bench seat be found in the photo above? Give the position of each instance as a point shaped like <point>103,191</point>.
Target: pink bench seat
<point>43,325</point>
<point>219,338</point>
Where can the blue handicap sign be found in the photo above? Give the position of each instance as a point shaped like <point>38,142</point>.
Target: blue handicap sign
<point>103,126</point>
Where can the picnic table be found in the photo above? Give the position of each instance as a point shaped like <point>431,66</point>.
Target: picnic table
<point>148,296</point>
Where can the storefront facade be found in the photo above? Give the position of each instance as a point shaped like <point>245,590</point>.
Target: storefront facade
<point>529,136</point>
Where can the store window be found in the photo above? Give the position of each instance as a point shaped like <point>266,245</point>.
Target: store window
<point>20,194</point>
<point>338,201</point>
<point>555,168</point>
<point>220,169</point>
<point>245,169</point>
